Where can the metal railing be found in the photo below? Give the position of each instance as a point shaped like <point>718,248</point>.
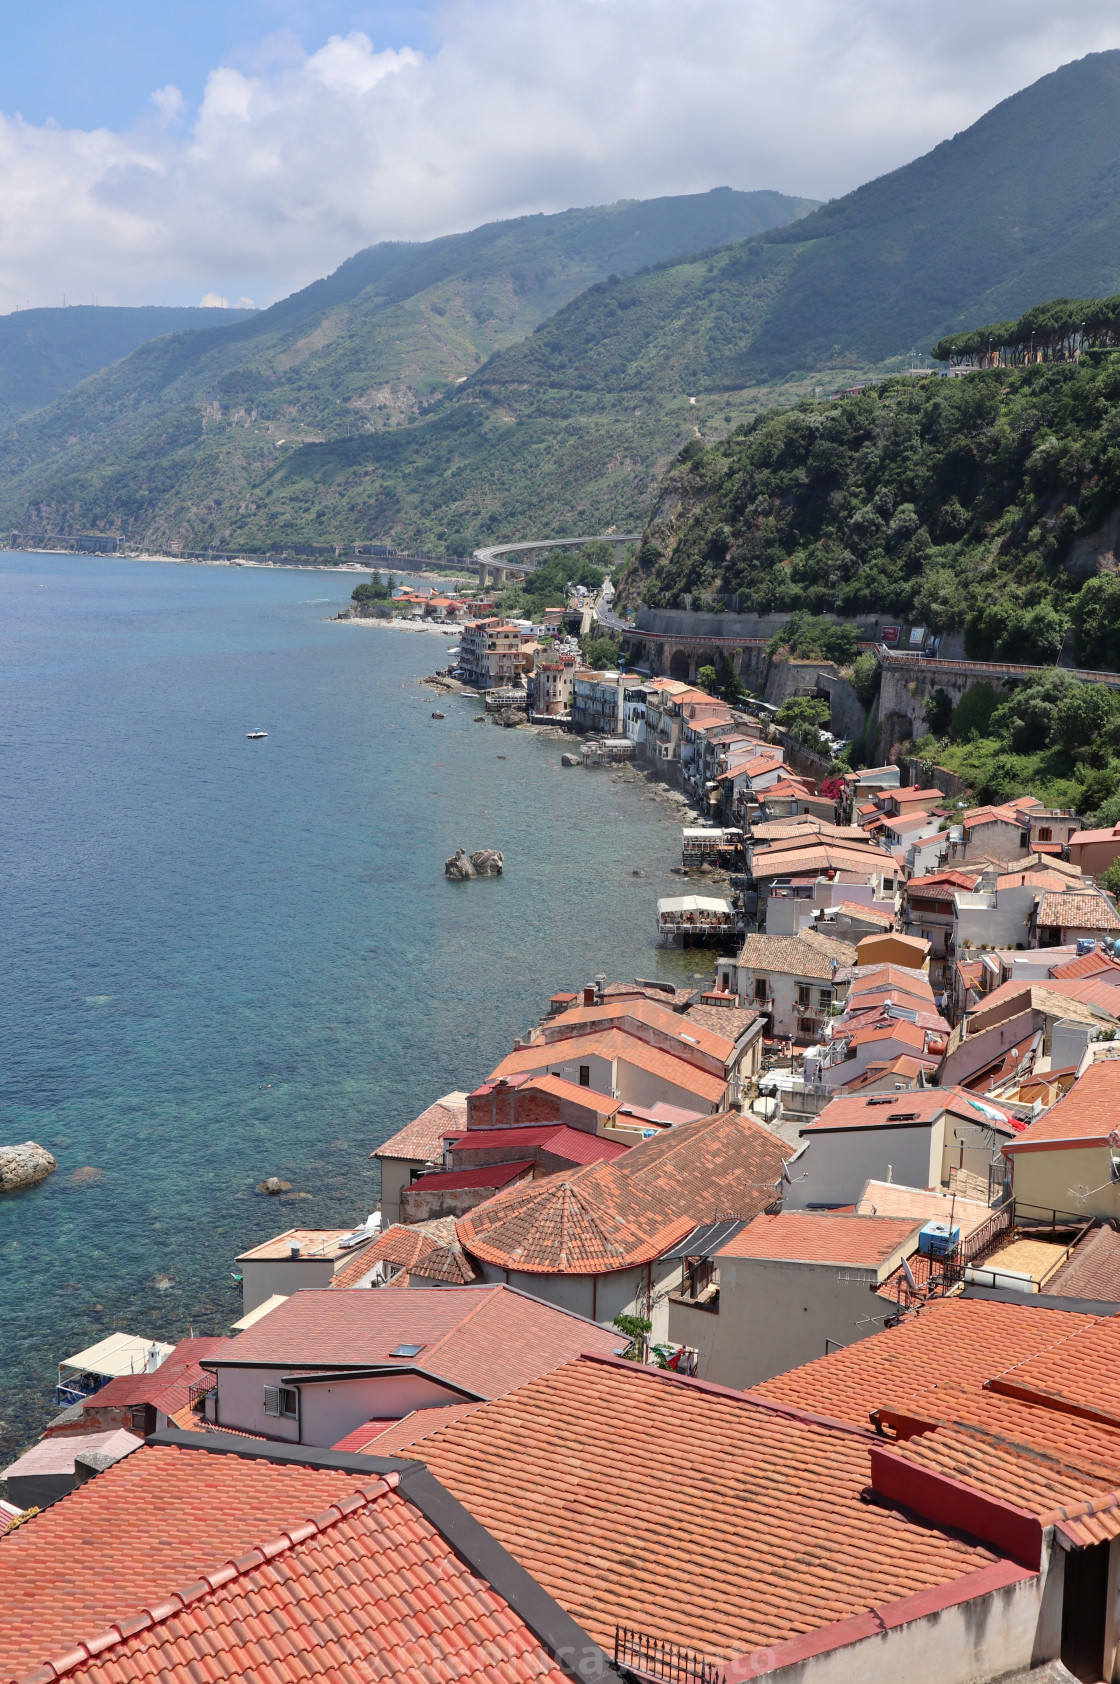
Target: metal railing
<point>976,1246</point>
<point>655,1658</point>
<point>201,1389</point>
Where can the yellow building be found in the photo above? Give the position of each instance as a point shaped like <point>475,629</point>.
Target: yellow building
<point>1066,1161</point>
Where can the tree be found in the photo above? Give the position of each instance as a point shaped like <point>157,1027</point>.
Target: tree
<point>973,713</point>
<point>707,680</point>
<point>1085,721</point>
<point>1096,622</point>
<point>599,652</point>
<point>637,1329</point>
<point>1111,878</point>
<point>866,678</point>
<point>938,712</point>
<point>375,591</point>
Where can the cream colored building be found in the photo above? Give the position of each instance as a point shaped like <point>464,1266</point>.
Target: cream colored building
<point>1066,1161</point>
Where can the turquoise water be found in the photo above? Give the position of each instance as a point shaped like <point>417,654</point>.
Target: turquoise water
<point>226,959</point>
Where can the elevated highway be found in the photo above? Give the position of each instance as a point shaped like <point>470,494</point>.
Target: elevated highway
<point>496,561</point>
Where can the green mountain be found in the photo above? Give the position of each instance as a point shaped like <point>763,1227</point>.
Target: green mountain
<point>988,504</point>
<point>569,429</point>
<point>44,353</point>
<point>172,443</point>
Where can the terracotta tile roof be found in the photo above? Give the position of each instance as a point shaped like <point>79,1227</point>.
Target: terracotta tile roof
<point>614,1216</point>
<point>169,1387</point>
<point>1092,1269</point>
<point>1089,1112</point>
<point>807,955</point>
<point>952,1342</point>
<point>903,1066</point>
<point>481,1175</point>
<point>422,1139</point>
<point>449,1265</point>
<point>590,1100</point>
<point>919,1105</point>
<point>729,1020</point>
<point>416,1424</point>
<point>867,862</point>
<point>186,1566</point>
<point>622,1013</point>
<point>1078,1373</point>
<point>873,914</point>
<point>1048,997</point>
<point>402,1244</point>
<point>1031,880</point>
<point>900,823</point>
<point>812,1236</point>
<point>578,1146</point>
<point>1111,833</point>
<point>614,1044</point>
<point>1095,965</point>
<point>483,1338</point>
<point>1077,912</point>
<point>751,1533</point>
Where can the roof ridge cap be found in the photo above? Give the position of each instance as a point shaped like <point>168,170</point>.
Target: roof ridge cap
<point>753,1400</point>
<point>214,1579</point>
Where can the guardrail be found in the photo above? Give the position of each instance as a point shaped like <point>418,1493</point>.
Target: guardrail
<point>655,1658</point>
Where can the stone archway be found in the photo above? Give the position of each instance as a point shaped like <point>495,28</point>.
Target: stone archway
<point>678,665</point>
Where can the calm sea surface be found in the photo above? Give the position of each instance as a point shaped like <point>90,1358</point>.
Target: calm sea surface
<point>223,959</point>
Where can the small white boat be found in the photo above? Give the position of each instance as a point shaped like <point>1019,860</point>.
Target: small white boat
<point>254,735</point>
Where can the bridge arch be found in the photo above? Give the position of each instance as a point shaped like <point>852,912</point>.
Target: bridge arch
<point>678,665</point>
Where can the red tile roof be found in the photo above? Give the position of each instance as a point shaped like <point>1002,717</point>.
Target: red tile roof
<point>873,914</point>
<point>483,1338</point>
<point>614,1216</point>
<point>830,1237</point>
<point>617,1013</point>
<point>481,1175</point>
<point>1088,1113</point>
<point>422,1139</point>
<point>1077,912</point>
<point>402,1245</point>
<point>718,1524</point>
<point>1094,964</point>
<point>578,1146</point>
<point>1092,1269</point>
<point>917,1106</point>
<point>614,1044</point>
<point>952,1342</point>
<point>168,1388</point>
<point>186,1566</point>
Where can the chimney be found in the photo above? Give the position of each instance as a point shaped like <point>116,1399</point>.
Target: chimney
<point>589,994</point>
<point>293,1249</point>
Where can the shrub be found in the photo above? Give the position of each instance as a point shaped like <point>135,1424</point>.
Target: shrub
<point>866,677</point>
<point>973,713</point>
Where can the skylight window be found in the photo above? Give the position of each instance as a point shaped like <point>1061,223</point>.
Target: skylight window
<point>407,1351</point>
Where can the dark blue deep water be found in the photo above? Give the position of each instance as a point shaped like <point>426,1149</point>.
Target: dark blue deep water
<point>222,960</point>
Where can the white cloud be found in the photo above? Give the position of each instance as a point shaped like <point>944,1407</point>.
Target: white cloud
<point>213,301</point>
<point>285,170</point>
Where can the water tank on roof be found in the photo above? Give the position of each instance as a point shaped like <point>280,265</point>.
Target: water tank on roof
<point>1085,944</point>
<point>937,1239</point>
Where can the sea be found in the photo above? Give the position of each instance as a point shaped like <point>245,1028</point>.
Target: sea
<point>223,960</point>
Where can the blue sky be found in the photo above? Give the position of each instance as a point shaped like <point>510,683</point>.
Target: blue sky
<point>93,63</point>
<point>209,150</point>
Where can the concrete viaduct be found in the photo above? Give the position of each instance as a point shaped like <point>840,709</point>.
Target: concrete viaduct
<point>498,560</point>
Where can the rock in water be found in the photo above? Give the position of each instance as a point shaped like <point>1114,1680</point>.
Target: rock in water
<point>570,760</point>
<point>459,867</point>
<point>487,862</point>
<point>436,714</point>
<point>273,1184</point>
<point>22,1166</point>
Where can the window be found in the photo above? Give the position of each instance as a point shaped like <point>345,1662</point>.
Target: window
<point>824,995</point>
<point>281,1400</point>
<point>804,995</point>
<point>760,988</point>
<point>806,1026</point>
<point>585,1075</point>
<point>407,1351</point>
<point>1045,833</point>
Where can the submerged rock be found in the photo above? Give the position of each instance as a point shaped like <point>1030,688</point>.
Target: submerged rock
<point>22,1166</point>
<point>273,1184</point>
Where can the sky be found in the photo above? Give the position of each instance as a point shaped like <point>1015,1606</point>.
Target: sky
<point>233,150</point>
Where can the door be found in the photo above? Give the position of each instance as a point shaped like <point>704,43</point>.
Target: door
<point>1084,1611</point>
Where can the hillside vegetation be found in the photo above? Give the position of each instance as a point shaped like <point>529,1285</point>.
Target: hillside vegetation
<point>172,443</point>
<point>44,353</point>
<point>535,378</point>
<point>988,504</point>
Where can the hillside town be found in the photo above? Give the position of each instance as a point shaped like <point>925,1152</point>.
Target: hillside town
<point>817,1262</point>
